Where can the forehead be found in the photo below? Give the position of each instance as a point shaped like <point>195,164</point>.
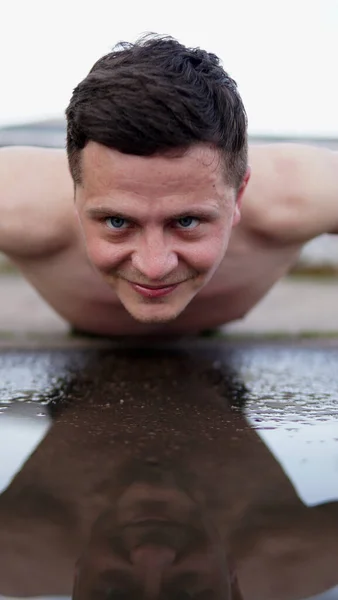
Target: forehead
<point>198,173</point>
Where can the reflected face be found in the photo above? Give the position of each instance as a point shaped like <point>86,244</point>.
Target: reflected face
<point>154,544</point>
<point>156,228</point>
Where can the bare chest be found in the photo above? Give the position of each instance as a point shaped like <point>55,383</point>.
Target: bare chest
<point>76,291</point>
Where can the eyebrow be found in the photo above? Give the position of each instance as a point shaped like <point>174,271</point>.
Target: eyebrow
<point>210,213</point>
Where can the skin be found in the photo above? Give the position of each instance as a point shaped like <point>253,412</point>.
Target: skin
<point>164,225</point>
<point>98,275</point>
<point>154,543</point>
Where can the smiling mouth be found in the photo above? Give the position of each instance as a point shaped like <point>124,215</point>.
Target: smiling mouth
<point>150,291</point>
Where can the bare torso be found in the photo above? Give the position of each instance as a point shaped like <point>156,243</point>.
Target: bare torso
<point>48,248</point>
<point>69,283</point>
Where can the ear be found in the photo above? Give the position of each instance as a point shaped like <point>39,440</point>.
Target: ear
<point>240,193</point>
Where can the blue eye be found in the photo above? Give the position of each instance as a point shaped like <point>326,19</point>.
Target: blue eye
<point>116,222</point>
<point>187,222</point>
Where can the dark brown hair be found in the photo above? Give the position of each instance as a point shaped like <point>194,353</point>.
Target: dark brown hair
<point>156,96</point>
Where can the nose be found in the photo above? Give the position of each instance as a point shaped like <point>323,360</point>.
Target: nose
<point>154,258</point>
<point>151,561</point>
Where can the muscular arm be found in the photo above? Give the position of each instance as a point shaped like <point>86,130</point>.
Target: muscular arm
<point>293,192</point>
<point>35,201</point>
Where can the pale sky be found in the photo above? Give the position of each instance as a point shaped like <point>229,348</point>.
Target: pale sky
<point>282,53</point>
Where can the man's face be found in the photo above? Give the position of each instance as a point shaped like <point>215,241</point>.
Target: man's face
<point>154,544</point>
<point>156,228</point>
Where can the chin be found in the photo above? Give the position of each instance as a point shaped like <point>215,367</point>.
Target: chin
<point>154,312</point>
<point>153,316</point>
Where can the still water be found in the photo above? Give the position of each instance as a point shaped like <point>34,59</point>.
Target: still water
<point>192,472</point>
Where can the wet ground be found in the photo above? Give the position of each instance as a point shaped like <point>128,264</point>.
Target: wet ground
<point>189,471</point>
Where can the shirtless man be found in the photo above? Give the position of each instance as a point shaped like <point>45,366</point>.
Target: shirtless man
<point>153,243</point>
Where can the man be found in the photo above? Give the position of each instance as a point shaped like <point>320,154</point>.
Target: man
<point>157,150</point>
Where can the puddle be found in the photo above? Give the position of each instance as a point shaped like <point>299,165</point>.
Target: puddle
<point>235,446</point>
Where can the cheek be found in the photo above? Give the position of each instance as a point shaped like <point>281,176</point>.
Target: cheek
<point>104,255</point>
<point>209,252</point>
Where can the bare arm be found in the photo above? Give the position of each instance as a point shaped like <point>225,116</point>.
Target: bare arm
<point>289,553</point>
<point>293,192</point>
<point>35,201</point>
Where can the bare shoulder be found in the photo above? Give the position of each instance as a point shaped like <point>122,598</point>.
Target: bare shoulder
<point>36,208</point>
<point>292,195</point>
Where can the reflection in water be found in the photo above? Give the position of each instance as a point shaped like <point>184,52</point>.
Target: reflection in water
<point>151,483</point>
<point>155,541</point>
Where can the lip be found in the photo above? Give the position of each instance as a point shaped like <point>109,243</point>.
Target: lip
<point>153,292</point>
<point>162,532</point>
